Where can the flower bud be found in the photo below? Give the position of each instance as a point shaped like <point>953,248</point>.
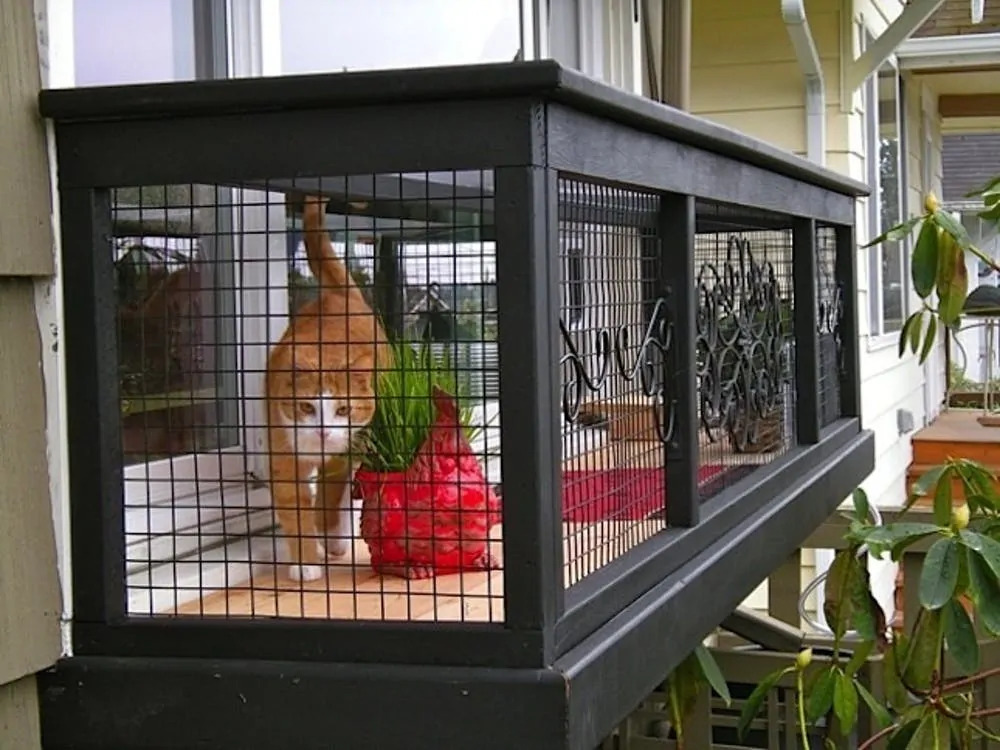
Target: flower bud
<point>804,659</point>
<point>960,516</point>
<point>931,203</point>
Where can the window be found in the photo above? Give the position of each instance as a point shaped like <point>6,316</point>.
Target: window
<point>151,41</point>
<point>883,151</point>
<point>334,35</point>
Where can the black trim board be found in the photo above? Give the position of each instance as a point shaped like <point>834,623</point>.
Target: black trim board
<point>545,79</point>
<point>108,703</point>
<point>612,670</point>
<point>603,594</point>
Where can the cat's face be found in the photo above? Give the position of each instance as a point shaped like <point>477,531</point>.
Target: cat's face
<point>322,415</point>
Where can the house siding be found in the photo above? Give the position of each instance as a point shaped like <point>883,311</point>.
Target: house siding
<point>955,17</point>
<point>29,586</point>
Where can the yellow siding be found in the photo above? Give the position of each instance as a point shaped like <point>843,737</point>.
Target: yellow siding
<point>744,73</point>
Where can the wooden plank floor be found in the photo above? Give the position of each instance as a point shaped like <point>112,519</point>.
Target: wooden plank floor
<point>350,590</point>
<point>356,592</point>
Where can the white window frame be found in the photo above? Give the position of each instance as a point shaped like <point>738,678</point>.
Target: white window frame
<point>878,334</point>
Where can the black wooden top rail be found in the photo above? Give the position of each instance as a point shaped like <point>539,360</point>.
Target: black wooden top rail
<point>545,79</point>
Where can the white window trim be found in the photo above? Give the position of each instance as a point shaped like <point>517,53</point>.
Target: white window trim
<point>878,337</point>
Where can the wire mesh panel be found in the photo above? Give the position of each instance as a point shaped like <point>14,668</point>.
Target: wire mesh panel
<point>828,314</point>
<point>745,348</point>
<point>614,340</point>
<point>309,398</point>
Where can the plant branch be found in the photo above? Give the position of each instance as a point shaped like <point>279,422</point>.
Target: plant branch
<point>969,681</point>
<point>984,713</point>
<point>870,742</point>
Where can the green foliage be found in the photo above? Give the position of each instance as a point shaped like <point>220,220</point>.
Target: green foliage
<point>697,671</point>
<point>405,409</point>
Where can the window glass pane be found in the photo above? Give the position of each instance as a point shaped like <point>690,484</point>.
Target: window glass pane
<point>176,332</point>
<point>320,36</point>
<point>146,41</point>
<point>890,197</point>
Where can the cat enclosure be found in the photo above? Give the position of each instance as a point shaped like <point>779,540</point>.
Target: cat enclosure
<point>619,365</point>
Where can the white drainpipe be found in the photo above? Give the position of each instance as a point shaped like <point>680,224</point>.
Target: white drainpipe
<point>793,12</point>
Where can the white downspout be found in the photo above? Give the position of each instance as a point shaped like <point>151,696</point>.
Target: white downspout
<point>793,13</point>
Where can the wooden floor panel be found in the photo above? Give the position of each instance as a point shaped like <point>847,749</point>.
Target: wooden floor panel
<point>356,592</point>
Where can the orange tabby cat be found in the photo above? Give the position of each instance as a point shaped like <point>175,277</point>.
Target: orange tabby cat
<point>320,394</point>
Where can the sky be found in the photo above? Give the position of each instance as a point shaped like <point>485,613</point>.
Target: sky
<point>138,41</point>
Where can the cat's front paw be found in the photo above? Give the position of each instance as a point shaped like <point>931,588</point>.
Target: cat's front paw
<point>305,572</point>
<point>337,547</point>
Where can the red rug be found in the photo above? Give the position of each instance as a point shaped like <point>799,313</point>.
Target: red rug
<point>617,494</point>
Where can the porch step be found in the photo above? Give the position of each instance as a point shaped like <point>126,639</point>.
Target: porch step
<point>915,471</point>
<point>955,433</point>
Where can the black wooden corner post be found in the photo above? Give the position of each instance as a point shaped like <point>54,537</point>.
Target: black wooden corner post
<point>528,313</point>
<point>846,275</point>
<point>677,229</point>
<point>90,339</point>
<point>806,333</point>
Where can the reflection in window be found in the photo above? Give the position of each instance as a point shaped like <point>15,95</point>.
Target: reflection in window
<point>176,337</point>
<point>320,36</point>
<point>147,41</point>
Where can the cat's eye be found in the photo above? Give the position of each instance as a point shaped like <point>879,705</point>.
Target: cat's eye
<point>307,409</point>
<point>343,411</point>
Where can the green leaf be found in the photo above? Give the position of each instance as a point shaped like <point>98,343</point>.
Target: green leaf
<point>895,691</point>
<point>862,508</point>
<point>925,648</point>
<point>845,702</point>
<point>986,548</point>
<point>710,668</point>
<point>926,737</point>
<point>837,605</point>
<point>752,707</point>
<point>916,330</point>
<point>942,498</point>
<point>896,233</point>
<point>985,592</point>
<point>900,739</point>
<point>925,483</point>
<point>940,573</point>
<point>960,637</point>
<point>897,536</point>
<point>924,261</point>
<point>820,698</point>
<point>861,653</point>
<point>952,228</point>
<point>988,187</point>
<point>952,277</point>
<point>907,333</point>
<point>879,712</point>
<point>928,339</point>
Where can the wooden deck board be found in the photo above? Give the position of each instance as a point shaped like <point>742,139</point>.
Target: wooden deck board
<point>958,426</point>
<point>353,591</point>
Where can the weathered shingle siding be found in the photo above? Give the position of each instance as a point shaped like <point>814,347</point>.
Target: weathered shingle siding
<point>969,160</point>
<point>955,17</point>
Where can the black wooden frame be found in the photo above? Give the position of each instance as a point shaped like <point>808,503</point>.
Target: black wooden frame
<point>528,122</point>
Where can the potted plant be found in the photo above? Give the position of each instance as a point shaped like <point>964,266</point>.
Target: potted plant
<point>427,507</point>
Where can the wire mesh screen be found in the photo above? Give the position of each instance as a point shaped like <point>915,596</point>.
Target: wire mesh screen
<point>614,342</point>
<point>745,358</point>
<point>309,398</point>
<point>828,313</point>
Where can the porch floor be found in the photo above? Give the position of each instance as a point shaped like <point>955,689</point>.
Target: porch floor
<point>353,591</point>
